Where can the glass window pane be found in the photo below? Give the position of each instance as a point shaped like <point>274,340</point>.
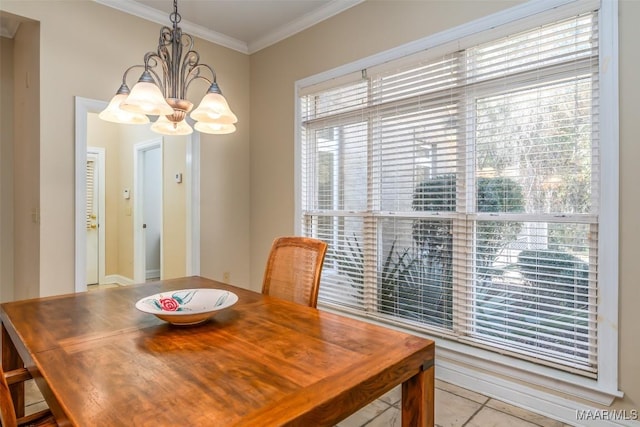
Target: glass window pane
<point>539,140</point>
<point>342,280</point>
<point>415,270</point>
<point>341,167</point>
<point>535,289</point>
<point>419,145</point>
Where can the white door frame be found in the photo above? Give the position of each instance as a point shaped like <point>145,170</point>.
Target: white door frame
<point>139,251</point>
<point>84,106</point>
<point>99,154</point>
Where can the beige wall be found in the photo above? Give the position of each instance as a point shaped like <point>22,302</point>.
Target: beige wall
<point>27,207</point>
<point>174,205</point>
<point>6,169</point>
<point>87,59</point>
<point>375,26</point>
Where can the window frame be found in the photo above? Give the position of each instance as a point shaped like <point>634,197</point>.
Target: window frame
<point>451,352</point>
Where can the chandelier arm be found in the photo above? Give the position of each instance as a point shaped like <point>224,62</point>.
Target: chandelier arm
<point>188,62</point>
<point>167,71</point>
<point>209,81</point>
<point>126,73</point>
<point>187,42</point>
<point>151,60</point>
<point>166,35</point>
<point>190,69</point>
<point>194,74</point>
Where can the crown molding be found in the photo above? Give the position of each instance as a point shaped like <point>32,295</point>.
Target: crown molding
<point>308,20</point>
<point>154,15</point>
<point>150,14</point>
<point>8,27</point>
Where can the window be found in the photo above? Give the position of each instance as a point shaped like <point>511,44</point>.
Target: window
<point>459,190</point>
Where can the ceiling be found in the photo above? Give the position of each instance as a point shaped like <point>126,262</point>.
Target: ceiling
<point>243,25</point>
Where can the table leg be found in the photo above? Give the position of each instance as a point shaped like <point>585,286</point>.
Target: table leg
<point>418,399</point>
<point>11,360</point>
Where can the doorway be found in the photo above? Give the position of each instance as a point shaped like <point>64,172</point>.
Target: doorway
<point>86,111</point>
<point>95,214</point>
<point>147,243</point>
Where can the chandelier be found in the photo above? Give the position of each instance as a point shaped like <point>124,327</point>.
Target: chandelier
<point>161,89</point>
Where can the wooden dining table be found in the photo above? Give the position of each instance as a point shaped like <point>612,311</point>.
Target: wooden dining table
<point>99,361</point>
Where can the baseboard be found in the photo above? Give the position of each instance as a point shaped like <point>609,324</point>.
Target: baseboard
<point>116,278</point>
<point>153,274</point>
<point>534,400</point>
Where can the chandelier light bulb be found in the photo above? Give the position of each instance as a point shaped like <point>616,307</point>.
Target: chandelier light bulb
<point>214,109</point>
<point>215,128</point>
<point>166,127</point>
<point>113,112</point>
<point>146,98</point>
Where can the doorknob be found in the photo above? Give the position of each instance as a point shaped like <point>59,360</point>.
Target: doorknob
<point>93,216</point>
<point>94,226</point>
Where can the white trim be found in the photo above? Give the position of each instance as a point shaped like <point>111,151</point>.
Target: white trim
<point>523,396</point>
<point>309,20</point>
<point>247,47</point>
<point>162,18</point>
<point>193,206</point>
<point>152,274</point>
<point>529,372</point>
<point>297,162</point>
<point>117,278</point>
<point>9,27</point>
<point>609,196</point>
<point>83,106</point>
<point>605,388</point>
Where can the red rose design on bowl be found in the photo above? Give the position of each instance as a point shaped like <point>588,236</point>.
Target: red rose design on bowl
<point>169,304</point>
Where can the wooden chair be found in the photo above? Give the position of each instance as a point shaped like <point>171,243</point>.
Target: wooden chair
<point>7,411</point>
<point>293,269</point>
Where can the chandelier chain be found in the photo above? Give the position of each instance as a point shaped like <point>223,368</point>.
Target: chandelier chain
<point>175,16</point>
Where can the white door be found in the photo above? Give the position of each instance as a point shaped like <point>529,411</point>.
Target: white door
<point>92,220</point>
<point>152,211</point>
<point>147,211</point>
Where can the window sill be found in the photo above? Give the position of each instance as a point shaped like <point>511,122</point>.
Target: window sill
<point>484,371</point>
<point>531,374</point>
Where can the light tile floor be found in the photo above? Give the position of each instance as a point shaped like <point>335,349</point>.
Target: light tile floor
<point>455,407</point>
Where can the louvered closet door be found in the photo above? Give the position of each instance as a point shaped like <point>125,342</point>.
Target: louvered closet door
<point>92,222</point>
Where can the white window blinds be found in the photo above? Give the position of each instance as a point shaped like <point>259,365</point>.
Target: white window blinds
<point>458,192</point>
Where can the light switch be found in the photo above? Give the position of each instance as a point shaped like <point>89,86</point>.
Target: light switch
<point>178,178</point>
<point>125,194</point>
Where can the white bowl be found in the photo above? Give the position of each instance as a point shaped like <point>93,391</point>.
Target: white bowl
<point>187,306</point>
